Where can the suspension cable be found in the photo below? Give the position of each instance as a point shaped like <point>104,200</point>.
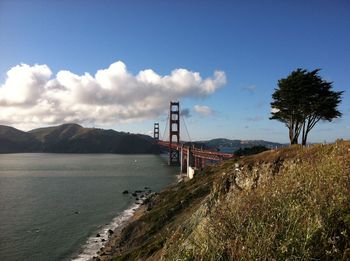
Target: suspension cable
<point>166,127</point>
<point>183,120</point>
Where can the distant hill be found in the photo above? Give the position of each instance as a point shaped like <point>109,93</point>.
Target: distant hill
<point>13,140</point>
<point>73,138</point>
<point>227,145</point>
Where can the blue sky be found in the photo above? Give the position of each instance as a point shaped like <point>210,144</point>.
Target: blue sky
<point>254,43</point>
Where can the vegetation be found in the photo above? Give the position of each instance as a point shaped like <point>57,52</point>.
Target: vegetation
<point>227,145</point>
<point>303,213</point>
<point>291,203</point>
<point>302,100</point>
<point>13,140</point>
<point>148,234</point>
<point>73,138</point>
<point>250,151</point>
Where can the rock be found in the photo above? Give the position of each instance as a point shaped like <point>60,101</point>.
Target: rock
<point>103,240</point>
<point>147,188</point>
<point>138,191</point>
<point>76,212</point>
<point>98,235</point>
<point>134,194</point>
<point>125,192</point>
<point>110,231</point>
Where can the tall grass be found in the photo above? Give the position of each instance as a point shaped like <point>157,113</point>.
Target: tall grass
<point>301,213</point>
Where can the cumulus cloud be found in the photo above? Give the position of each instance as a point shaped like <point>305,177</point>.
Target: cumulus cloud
<point>32,96</point>
<point>203,110</point>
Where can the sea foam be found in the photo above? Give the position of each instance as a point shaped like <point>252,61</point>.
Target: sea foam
<point>94,243</point>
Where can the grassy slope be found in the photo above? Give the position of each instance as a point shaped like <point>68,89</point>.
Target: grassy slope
<point>291,203</point>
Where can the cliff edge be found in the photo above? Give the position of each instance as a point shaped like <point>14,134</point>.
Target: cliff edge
<point>290,203</point>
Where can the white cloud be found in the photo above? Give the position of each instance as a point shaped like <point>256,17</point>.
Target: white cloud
<point>31,97</point>
<point>203,110</point>
<point>24,84</point>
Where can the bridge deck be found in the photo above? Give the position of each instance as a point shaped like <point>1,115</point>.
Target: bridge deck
<point>199,153</point>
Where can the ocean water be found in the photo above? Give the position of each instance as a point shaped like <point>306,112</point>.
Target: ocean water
<point>53,205</point>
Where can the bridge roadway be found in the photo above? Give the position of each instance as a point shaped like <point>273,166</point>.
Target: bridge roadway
<point>196,152</point>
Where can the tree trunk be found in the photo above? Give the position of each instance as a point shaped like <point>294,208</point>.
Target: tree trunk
<point>305,138</point>
<point>293,134</point>
<point>293,137</point>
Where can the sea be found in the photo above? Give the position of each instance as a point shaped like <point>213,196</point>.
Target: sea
<point>61,206</point>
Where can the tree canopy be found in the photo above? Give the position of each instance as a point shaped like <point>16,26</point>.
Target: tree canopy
<point>303,99</point>
<point>250,151</point>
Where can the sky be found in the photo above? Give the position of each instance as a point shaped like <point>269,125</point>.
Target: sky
<point>117,64</point>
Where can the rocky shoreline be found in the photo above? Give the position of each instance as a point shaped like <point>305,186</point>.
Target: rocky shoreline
<point>146,199</point>
<point>111,246</point>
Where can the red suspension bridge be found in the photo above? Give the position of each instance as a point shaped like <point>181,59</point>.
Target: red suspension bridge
<point>181,153</point>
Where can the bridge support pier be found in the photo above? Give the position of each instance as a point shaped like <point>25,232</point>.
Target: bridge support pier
<point>190,161</point>
<point>183,160</point>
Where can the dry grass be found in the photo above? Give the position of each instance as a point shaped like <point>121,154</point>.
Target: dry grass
<point>303,213</point>
<point>288,204</point>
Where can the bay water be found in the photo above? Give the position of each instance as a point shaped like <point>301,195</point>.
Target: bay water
<point>53,205</point>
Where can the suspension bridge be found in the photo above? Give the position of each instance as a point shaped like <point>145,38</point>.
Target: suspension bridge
<point>185,154</point>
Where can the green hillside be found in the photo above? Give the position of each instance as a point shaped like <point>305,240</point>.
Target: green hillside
<point>291,203</point>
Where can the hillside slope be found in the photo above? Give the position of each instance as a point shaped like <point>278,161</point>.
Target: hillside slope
<point>73,138</point>
<point>291,203</point>
<point>227,145</point>
<point>13,140</point>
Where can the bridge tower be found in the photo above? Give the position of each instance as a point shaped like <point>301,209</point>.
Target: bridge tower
<point>174,133</point>
<point>156,131</point>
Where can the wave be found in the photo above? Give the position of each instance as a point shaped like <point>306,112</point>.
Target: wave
<point>94,243</point>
